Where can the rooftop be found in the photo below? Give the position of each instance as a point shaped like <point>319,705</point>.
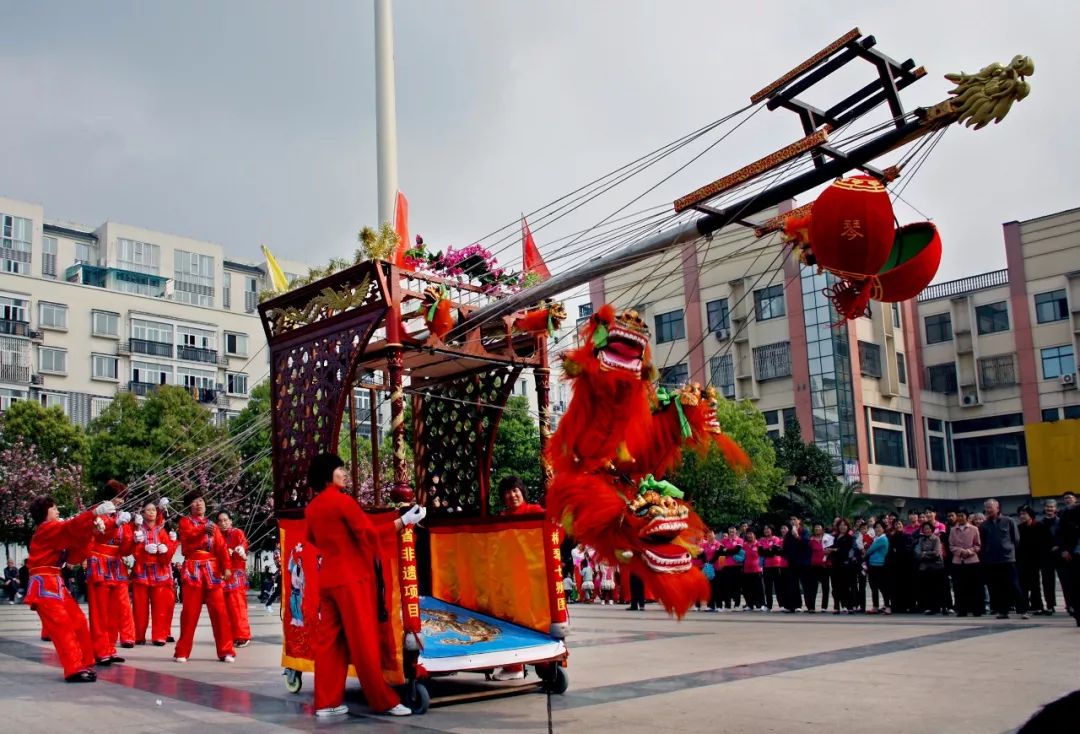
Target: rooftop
<point>961,286</point>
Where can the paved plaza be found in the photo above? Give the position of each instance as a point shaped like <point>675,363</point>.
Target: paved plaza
<point>630,672</point>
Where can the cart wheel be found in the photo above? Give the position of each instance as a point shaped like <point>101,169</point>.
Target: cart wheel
<point>294,680</point>
<point>557,681</point>
<point>417,698</point>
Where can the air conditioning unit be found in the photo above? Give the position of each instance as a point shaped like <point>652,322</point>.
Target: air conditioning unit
<point>723,335</point>
<point>969,400</point>
<point>1068,380</point>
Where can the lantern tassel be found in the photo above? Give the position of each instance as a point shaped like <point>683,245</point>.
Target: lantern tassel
<point>851,298</point>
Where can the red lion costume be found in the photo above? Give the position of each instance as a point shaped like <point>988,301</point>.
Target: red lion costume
<point>618,435</point>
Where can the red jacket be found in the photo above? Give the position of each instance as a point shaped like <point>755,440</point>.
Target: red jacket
<point>773,543</point>
<point>104,564</point>
<point>344,536</point>
<point>752,564</point>
<point>234,539</point>
<point>196,545</point>
<point>154,568</point>
<point>50,546</point>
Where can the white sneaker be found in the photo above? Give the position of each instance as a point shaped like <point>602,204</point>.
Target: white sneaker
<point>229,659</point>
<point>336,711</point>
<point>180,660</point>
<point>508,675</point>
<point>399,710</point>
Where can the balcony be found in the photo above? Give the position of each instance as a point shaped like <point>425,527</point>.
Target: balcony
<point>11,327</point>
<point>205,395</point>
<point>145,346</point>
<point>197,354</point>
<point>14,373</point>
<point>965,285</point>
<point>142,389</point>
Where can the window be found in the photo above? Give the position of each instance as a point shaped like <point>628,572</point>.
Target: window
<point>236,344</point>
<point>105,323</point>
<point>584,310</point>
<point>901,368</point>
<point>226,294</point>
<point>888,447</point>
<point>999,451</point>
<point>52,360</point>
<point>941,378</point>
<point>674,376</point>
<point>722,372</point>
<point>1072,412</point>
<point>1052,306</point>
<point>992,317</point>
<point>997,371</point>
<point>1058,361</point>
<point>138,257</point>
<point>150,373</point>
<point>717,313</point>
<point>104,367</point>
<point>251,293</point>
<point>1049,415</point>
<point>98,406</point>
<point>772,361</point>
<point>86,252</point>
<point>54,400</point>
<point>48,257</point>
<point>937,451</point>
<point>15,244</point>
<point>140,284</point>
<point>778,422</point>
<point>1006,420</point>
<point>237,383</point>
<point>880,415</point>
<point>12,309</point>
<point>938,328</point>
<point>670,327</point>
<point>194,278</point>
<point>151,331</point>
<point>769,303</point>
<point>896,315</point>
<point>869,359</point>
<point>197,338</point>
<point>9,396</point>
<point>197,379</point>
<point>935,424</point>
<point>52,316</point>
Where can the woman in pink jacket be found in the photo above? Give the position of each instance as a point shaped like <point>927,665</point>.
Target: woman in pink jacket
<point>964,544</point>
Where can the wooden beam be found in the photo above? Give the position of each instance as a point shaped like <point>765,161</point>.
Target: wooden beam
<point>755,169</point>
<point>805,66</point>
<point>777,223</point>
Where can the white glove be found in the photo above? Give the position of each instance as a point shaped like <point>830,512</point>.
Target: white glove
<point>140,536</point>
<point>241,552</point>
<point>415,514</point>
<point>99,525</point>
<point>161,548</point>
<point>138,520</point>
<point>123,518</point>
<point>105,508</point>
<point>172,535</point>
<point>129,561</point>
<point>163,503</point>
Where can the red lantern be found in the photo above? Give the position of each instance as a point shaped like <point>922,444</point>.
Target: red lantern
<point>912,264</point>
<point>851,232</point>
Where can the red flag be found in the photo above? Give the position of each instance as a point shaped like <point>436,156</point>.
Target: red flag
<point>532,261</point>
<point>401,226</point>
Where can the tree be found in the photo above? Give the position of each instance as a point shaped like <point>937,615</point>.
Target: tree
<point>47,430</point>
<point>719,494</point>
<point>807,463</point>
<point>517,449</point>
<point>823,504</point>
<point>24,475</point>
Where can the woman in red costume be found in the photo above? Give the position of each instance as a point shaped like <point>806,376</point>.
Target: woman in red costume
<point>61,618</point>
<point>107,580</point>
<point>348,629</point>
<point>206,569</point>
<point>236,587</point>
<point>152,583</point>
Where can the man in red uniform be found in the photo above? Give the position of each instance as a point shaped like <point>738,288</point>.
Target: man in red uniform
<point>236,587</point>
<point>152,583</point>
<point>61,618</point>
<point>348,629</point>
<point>107,580</point>
<point>206,568</point>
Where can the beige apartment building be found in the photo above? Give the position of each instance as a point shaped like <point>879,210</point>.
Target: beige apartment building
<point>87,313</point>
<point>923,399</point>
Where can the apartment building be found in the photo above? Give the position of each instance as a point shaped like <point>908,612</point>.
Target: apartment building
<point>923,399</point>
<point>87,313</point>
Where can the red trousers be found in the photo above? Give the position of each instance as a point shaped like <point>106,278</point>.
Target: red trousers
<point>64,622</point>
<point>153,605</point>
<point>348,632</point>
<point>236,603</point>
<point>107,602</point>
<point>126,628</point>
<point>194,596</point>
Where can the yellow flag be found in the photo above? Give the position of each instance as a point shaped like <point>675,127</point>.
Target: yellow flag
<point>278,281</point>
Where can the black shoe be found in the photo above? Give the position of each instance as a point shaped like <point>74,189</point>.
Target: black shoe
<point>170,638</point>
<point>46,639</point>
<point>961,614</point>
<point>127,645</point>
<point>241,643</point>
<point>116,659</point>
<point>1003,616</point>
<point>102,662</point>
<point>159,643</point>
<point>632,608</point>
<point>83,676</point>
<point>140,642</point>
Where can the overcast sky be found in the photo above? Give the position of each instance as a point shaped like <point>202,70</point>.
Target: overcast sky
<point>249,122</point>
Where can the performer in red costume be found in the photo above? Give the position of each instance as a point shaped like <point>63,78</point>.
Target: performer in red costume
<point>236,587</point>
<point>348,629</point>
<point>152,583</point>
<point>206,568</point>
<point>61,618</point>
<point>107,580</point>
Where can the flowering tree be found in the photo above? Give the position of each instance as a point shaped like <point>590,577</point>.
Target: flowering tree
<point>24,475</point>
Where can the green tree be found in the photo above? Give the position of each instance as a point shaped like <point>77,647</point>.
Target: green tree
<point>517,449</point>
<point>48,430</point>
<point>721,495</point>
<point>254,496</point>
<point>807,463</point>
<point>838,500</point>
